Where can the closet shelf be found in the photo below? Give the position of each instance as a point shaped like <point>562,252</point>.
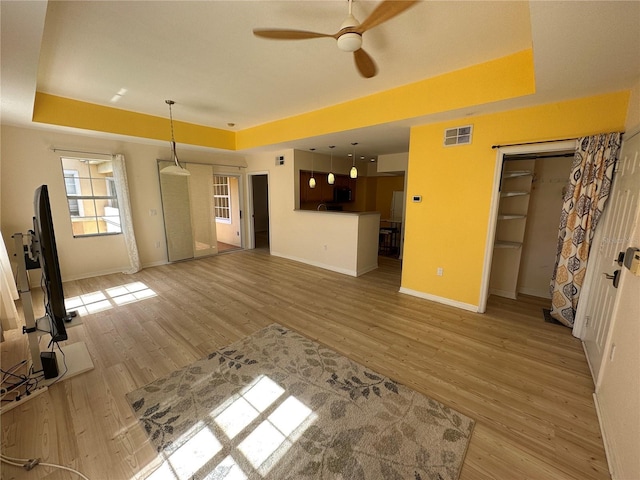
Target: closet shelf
<point>513,194</point>
<point>504,244</point>
<point>517,173</point>
<point>511,216</point>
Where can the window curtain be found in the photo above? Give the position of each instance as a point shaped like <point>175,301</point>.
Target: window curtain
<point>584,201</point>
<point>124,205</point>
<point>8,291</point>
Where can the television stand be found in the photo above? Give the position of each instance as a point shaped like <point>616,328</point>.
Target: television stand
<point>71,359</point>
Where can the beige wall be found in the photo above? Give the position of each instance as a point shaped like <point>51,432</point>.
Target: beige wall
<point>541,231</point>
<point>27,162</point>
<point>329,239</point>
<point>395,162</point>
<point>633,114</point>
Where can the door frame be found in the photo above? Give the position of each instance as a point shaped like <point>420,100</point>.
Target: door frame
<point>251,239</point>
<point>221,171</point>
<point>532,148</point>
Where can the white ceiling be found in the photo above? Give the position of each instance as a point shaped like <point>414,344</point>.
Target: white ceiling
<point>204,56</point>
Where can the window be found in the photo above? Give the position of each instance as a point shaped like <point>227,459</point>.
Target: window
<point>91,197</point>
<point>221,199</point>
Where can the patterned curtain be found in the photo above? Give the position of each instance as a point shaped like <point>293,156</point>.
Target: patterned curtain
<point>584,202</point>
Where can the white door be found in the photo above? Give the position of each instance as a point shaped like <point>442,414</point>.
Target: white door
<point>397,206</point>
<point>611,238</point>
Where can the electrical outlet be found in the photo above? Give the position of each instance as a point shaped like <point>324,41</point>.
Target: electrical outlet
<point>439,271</point>
<point>325,247</point>
<point>158,244</point>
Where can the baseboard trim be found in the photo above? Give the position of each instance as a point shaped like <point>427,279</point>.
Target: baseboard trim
<point>534,292</point>
<point>344,271</point>
<point>608,450</point>
<point>368,269</point>
<point>443,300</point>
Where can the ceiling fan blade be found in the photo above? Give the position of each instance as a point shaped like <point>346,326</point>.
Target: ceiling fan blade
<point>383,12</point>
<point>285,34</point>
<point>365,64</point>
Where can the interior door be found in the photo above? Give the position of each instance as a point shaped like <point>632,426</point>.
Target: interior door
<point>397,206</point>
<point>612,237</point>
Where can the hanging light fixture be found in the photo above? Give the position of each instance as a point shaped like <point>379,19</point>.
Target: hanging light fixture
<point>331,178</point>
<point>312,180</point>
<point>353,173</point>
<point>176,168</point>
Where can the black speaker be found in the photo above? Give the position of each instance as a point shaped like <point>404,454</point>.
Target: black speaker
<point>49,364</point>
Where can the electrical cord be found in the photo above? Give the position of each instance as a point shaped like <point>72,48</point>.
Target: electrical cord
<point>31,463</point>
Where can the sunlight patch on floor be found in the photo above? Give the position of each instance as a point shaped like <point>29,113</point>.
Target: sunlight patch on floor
<point>247,448</point>
<point>101,300</point>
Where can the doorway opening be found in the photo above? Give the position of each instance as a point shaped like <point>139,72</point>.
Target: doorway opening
<point>227,212</point>
<point>259,208</point>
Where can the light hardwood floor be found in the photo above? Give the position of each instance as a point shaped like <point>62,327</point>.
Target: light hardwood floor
<point>524,381</point>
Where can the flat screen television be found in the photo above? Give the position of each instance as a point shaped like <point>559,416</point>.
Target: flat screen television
<point>46,253</point>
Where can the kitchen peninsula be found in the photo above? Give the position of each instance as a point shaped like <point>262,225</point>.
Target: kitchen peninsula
<point>345,242</point>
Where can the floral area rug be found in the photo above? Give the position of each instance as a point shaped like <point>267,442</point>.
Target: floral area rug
<point>276,405</point>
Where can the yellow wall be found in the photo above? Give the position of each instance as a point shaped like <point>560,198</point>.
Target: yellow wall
<point>73,113</point>
<point>508,77</point>
<point>448,229</point>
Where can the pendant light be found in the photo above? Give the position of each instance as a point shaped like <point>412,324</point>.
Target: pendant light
<point>353,173</point>
<point>331,178</point>
<point>312,180</point>
<point>176,168</point>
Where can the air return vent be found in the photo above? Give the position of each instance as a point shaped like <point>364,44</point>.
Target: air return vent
<point>458,136</point>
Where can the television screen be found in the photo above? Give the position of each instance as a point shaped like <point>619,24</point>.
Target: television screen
<point>47,254</point>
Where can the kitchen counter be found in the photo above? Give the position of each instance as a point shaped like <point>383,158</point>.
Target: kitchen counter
<point>345,242</point>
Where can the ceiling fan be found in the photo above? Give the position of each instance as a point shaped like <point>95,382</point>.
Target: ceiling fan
<point>349,37</point>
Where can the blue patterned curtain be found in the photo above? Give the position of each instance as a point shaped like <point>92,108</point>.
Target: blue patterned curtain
<point>584,201</point>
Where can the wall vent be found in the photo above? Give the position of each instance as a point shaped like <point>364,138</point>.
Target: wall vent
<point>458,136</point>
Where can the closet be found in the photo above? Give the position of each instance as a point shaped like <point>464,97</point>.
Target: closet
<point>515,190</point>
<point>187,207</point>
<point>524,254</point>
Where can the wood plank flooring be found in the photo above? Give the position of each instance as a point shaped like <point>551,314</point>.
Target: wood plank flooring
<point>524,381</point>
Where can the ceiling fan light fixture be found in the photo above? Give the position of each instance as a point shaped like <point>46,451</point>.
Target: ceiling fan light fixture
<point>350,42</point>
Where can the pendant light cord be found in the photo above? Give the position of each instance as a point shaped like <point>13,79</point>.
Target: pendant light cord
<point>173,141</point>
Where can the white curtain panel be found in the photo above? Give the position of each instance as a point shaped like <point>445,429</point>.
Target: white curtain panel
<point>8,291</point>
<point>122,190</point>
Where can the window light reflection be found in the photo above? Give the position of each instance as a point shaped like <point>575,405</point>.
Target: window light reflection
<point>227,469</point>
<point>261,446</point>
<point>106,299</point>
